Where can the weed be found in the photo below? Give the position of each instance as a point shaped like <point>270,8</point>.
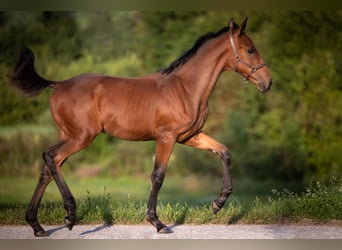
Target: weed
<point>320,201</point>
<point>98,209</point>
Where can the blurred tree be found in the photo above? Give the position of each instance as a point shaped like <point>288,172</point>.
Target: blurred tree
<point>107,35</point>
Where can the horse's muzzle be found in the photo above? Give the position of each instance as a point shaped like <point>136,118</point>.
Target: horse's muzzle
<point>265,87</point>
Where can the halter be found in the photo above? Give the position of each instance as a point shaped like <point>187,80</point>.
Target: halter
<point>238,59</point>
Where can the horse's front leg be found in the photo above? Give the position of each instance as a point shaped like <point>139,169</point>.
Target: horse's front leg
<point>202,141</point>
<point>164,149</point>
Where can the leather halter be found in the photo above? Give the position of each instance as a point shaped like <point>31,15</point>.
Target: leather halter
<point>238,59</point>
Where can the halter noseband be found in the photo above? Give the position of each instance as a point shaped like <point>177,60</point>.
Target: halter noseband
<point>238,59</point>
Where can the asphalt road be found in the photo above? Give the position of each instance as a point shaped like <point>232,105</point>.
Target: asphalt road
<point>179,232</point>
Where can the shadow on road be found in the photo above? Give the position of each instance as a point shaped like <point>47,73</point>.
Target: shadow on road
<point>96,229</point>
<point>53,230</point>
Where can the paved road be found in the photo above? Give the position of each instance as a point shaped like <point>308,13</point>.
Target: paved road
<point>179,232</point>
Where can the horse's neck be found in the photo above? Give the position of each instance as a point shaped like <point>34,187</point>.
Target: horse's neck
<point>201,72</point>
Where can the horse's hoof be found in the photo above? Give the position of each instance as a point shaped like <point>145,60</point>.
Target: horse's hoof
<point>165,230</point>
<point>68,223</point>
<point>41,234</point>
<point>215,208</point>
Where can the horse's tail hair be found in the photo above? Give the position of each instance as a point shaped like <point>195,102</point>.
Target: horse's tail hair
<point>25,77</point>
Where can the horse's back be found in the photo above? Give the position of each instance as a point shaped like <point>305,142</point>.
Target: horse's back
<point>116,105</point>
<point>101,86</point>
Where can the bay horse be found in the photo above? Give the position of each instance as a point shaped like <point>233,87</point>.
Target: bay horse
<point>169,106</point>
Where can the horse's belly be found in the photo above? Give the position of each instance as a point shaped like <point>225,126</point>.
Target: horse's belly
<point>128,130</point>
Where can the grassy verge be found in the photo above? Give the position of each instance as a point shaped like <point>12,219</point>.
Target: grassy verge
<point>319,203</point>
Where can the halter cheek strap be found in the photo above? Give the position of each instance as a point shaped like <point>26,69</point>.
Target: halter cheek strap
<point>238,59</point>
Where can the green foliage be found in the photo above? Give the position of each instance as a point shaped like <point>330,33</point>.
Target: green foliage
<point>21,149</point>
<point>320,201</point>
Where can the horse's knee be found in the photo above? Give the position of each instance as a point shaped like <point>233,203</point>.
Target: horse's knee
<point>225,156</point>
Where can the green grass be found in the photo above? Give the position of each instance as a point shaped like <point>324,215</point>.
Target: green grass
<point>319,201</point>
<point>19,190</point>
<point>193,189</point>
<point>97,203</point>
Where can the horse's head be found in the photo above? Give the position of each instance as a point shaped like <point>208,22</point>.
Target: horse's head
<point>246,59</point>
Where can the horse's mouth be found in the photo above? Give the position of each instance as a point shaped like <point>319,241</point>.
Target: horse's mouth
<point>262,86</point>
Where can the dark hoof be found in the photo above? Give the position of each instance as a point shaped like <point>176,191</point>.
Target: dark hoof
<point>215,208</point>
<point>41,234</point>
<point>69,223</point>
<point>165,230</point>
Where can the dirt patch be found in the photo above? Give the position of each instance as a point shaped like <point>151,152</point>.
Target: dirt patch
<point>88,172</point>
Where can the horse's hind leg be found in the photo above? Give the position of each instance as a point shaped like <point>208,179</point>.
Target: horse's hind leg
<point>54,158</point>
<point>31,213</point>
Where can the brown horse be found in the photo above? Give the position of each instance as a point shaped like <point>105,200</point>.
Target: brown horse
<point>169,106</point>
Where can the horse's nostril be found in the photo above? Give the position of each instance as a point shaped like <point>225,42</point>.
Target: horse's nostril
<point>269,85</point>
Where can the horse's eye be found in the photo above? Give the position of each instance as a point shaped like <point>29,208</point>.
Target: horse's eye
<point>250,51</point>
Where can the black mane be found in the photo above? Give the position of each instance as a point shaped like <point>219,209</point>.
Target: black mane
<point>191,52</point>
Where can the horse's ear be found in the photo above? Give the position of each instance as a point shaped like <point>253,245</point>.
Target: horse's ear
<point>243,26</point>
<point>231,24</point>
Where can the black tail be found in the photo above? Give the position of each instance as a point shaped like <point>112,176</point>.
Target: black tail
<point>24,76</point>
